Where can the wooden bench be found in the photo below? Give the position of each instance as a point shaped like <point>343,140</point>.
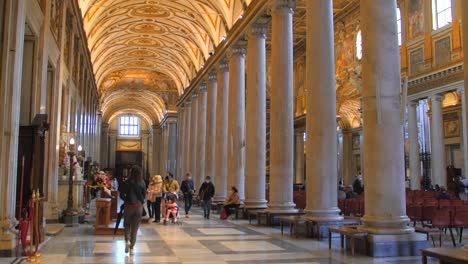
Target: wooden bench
<point>317,224</point>
<point>446,255</point>
<point>430,233</point>
<point>271,215</point>
<point>294,222</point>
<point>351,233</point>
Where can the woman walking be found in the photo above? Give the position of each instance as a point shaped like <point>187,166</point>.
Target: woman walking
<point>134,196</point>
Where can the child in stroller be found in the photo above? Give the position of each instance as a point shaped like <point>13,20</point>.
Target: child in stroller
<point>172,209</point>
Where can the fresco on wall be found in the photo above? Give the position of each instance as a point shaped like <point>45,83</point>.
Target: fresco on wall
<point>416,18</point>
<point>443,51</point>
<point>416,61</point>
<point>299,79</point>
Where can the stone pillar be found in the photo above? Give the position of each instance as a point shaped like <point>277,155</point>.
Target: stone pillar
<point>194,137</point>
<point>255,138</point>
<point>210,157</point>
<point>145,137</point>
<point>220,176</point>
<point>282,108</point>
<point>464,16</point>
<point>414,163</point>
<point>180,135</point>
<point>347,160</point>
<point>236,120</point>
<point>437,142</point>
<point>385,210</point>
<point>156,140</point>
<point>201,141</point>
<point>112,148</point>
<point>187,137</point>
<point>104,161</point>
<point>163,157</point>
<point>322,159</point>
<point>299,158</point>
<point>172,148</point>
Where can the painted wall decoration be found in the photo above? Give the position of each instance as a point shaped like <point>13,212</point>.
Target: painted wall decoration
<point>443,51</point>
<point>416,60</point>
<point>128,145</point>
<point>451,129</point>
<point>416,18</point>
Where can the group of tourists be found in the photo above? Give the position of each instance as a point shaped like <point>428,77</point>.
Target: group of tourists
<point>160,193</point>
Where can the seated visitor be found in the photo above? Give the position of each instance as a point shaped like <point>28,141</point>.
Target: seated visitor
<point>172,208</point>
<point>460,188</point>
<point>341,193</point>
<point>358,187</point>
<point>443,195</point>
<point>232,201</point>
<point>350,193</point>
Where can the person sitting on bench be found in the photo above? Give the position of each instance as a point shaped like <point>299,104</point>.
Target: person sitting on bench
<point>232,201</point>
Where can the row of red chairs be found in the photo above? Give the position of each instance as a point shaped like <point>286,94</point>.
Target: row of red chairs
<point>432,201</point>
<point>354,206</point>
<point>448,218</point>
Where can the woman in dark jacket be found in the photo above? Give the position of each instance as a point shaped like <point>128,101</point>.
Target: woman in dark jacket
<point>134,196</point>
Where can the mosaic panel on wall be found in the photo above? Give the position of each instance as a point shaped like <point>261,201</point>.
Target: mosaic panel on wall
<point>416,18</point>
<point>417,61</point>
<point>443,51</point>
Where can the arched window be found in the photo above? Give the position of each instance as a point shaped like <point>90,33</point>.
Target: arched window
<point>129,126</point>
<point>398,17</point>
<point>441,13</point>
<point>359,45</point>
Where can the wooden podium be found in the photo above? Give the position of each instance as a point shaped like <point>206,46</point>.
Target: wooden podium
<point>103,225</point>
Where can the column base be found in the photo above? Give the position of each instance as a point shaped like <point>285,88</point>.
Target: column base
<point>71,220</point>
<point>385,226</point>
<point>256,204</point>
<point>282,208</point>
<point>8,247</point>
<point>395,245</point>
<point>333,214</point>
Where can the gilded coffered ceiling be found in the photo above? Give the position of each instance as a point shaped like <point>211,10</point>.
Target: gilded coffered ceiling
<point>154,47</point>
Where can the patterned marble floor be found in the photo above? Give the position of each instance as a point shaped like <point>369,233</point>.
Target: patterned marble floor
<point>198,241</point>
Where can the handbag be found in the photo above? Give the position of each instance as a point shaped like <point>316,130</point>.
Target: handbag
<point>223,215</point>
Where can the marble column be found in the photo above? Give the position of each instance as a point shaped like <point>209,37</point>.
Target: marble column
<point>385,208</point>
<point>255,138</point>
<point>187,136</point>
<point>282,108</point>
<point>299,158</point>
<point>464,16</point>
<point>112,148</point>
<point>156,140</point>
<point>437,142</point>
<point>347,157</point>
<point>236,120</point>
<point>414,163</point>
<point>220,176</point>
<point>194,137</point>
<point>104,162</point>
<point>145,137</point>
<point>322,160</point>
<point>180,135</point>
<point>172,148</point>
<point>212,90</point>
<point>201,141</point>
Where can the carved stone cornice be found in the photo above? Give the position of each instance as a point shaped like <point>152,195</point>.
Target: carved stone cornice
<point>436,79</point>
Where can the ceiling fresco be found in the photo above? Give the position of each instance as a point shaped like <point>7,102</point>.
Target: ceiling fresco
<point>153,46</point>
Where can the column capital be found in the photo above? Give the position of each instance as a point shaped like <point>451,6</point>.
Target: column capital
<point>258,30</point>
<point>202,87</point>
<point>436,97</point>
<point>223,65</point>
<point>187,102</point>
<point>237,50</point>
<point>461,90</point>
<point>282,4</point>
<point>413,103</point>
<point>195,94</point>
<point>212,76</point>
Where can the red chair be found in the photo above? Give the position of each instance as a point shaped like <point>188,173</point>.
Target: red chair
<point>457,202</point>
<point>341,205</point>
<point>442,218</point>
<point>414,212</point>
<point>460,220</point>
<point>427,212</point>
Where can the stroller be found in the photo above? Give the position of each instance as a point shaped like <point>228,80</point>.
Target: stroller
<point>171,218</point>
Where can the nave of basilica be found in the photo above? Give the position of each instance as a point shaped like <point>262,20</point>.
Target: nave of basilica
<point>336,118</point>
